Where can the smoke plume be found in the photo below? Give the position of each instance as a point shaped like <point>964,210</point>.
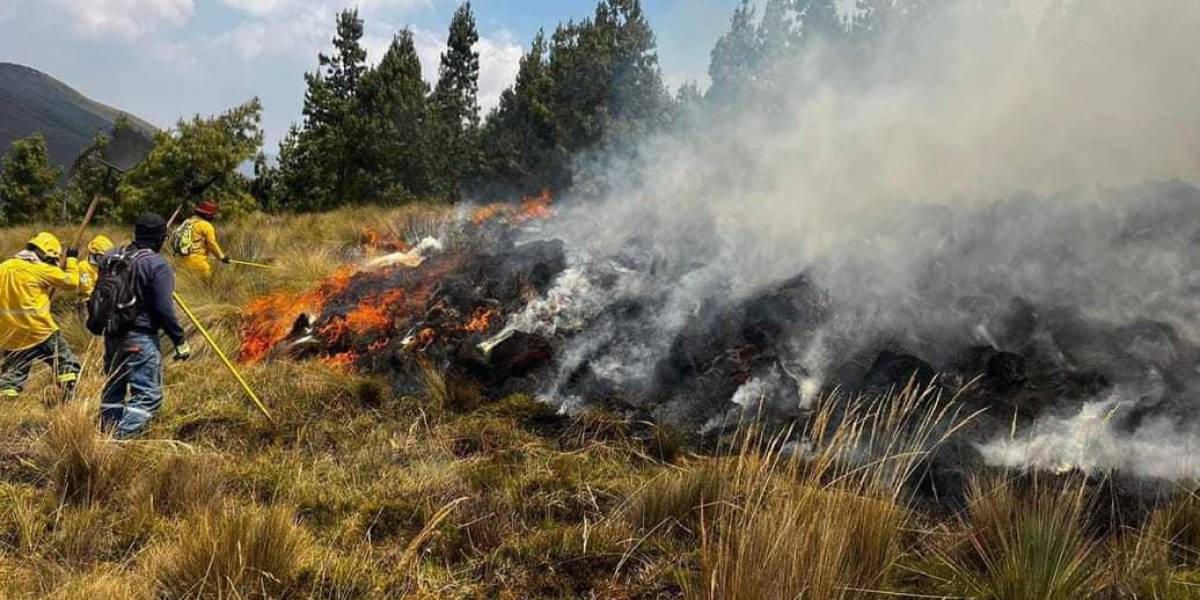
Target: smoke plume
<point>935,183</point>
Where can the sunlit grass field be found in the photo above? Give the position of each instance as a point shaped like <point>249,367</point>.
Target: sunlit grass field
<point>357,492</point>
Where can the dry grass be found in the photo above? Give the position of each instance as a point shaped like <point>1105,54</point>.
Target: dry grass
<point>677,499</point>
<point>822,524</point>
<point>232,552</point>
<point>83,465</point>
<point>359,493</point>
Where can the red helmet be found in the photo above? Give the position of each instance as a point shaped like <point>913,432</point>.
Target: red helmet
<point>207,208</point>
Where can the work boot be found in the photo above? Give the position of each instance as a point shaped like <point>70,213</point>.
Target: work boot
<point>66,386</point>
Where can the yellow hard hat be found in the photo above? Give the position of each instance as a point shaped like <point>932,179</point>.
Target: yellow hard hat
<point>100,245</point>
<point>48,244</point>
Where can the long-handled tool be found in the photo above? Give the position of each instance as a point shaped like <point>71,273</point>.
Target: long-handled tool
<point>228,365</point>
<point>174,215</point>
<point>251,264</point>
<point>87,220</point>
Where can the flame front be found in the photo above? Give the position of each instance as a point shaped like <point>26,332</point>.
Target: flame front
<point>384,303</point>
<point>268,320</point>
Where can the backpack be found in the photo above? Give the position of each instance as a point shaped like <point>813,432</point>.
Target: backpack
<point>181,239</point>
<point>114,304</point>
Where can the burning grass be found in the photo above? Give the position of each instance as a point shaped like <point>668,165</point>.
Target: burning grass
<point>364,491</point>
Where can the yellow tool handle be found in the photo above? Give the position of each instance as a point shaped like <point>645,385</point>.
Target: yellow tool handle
<point>228,365</point>
<point>252,264</point>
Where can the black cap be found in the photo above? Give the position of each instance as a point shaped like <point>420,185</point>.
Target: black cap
<point>150,231</point>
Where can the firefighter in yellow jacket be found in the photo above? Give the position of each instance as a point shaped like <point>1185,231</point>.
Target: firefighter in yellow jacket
<point>196,239</point>
<point>28,333</point>
<point>89,270</point>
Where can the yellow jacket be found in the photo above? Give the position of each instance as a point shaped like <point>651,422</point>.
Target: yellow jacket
<point>88,274</point>
<point>25,284</point>
<point>204,239</point>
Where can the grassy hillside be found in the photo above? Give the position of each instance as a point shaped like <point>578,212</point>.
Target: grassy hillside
<point>357,492</point>
<point>31,101</point>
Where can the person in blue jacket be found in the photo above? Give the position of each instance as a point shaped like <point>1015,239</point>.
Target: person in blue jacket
<point>133,360</point>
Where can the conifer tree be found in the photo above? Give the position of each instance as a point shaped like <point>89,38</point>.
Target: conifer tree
<point>518,138</point>
<point>456,103</point>
<point>394,100</point>
<point>322,162</point>
<point>735,58</point>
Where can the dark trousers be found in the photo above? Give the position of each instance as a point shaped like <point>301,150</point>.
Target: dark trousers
<point>54,352</point>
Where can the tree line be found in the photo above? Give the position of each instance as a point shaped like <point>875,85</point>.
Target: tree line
<point>382,134</point>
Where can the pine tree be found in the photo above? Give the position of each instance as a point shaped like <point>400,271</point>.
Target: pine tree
<point>735,58</point>
<point>689,107</point>
<point>639,100</point>
<point>518,138</point>
<point>321,163</point>
<point>393,98</point>
<point>821,21</point>
<point>456,103</point>
<point>777,32</point>
<point>27,180</point>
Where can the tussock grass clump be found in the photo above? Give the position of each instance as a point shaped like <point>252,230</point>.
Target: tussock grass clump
<point>484,435</point>
<point>81,535</point>
<point>1152,560</point>
<point>1014,546</point>
<point>235,551</point>
<point>105,583</point>
<point>448,394</point>
<point>677,499</point>
<point>179,484</point>
<point>25,515</point>
<point>825,524</point>
<point>84,466</point>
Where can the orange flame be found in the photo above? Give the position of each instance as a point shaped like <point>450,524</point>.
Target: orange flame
<point>536,208</point>
<point>422,340</point>
<point>268,320</point>
<point>486,213</point>
<point>343,361</point>
<point>531,209</point>
<point>481,320</point>
<point>371,239</point>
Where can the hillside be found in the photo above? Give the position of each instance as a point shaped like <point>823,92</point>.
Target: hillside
<point>365,486</point>
<point>32,101</point>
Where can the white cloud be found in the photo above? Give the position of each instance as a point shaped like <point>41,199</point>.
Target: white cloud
<point>499,61</point>
<point>127,19</point>
<point>301,35</point>
<point>277,7</point>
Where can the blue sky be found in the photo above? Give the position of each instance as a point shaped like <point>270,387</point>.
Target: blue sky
<point>162,59</point>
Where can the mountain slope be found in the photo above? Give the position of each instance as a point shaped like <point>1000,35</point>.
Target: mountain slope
<point>31,101</point>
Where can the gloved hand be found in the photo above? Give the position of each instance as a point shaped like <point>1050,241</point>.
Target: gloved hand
<point>72,252</point>
<point>226,259</point>
<point>183,352</point>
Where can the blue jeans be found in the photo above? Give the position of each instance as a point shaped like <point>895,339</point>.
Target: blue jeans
<point>133,364</point>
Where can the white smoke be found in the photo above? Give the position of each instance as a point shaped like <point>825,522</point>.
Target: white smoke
<point>1088,442</point>
<point>881,182</point>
